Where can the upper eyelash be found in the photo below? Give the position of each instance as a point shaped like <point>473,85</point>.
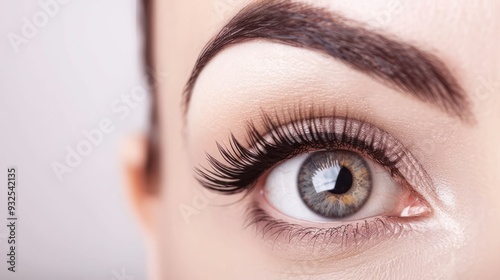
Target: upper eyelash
<point>244,164</point>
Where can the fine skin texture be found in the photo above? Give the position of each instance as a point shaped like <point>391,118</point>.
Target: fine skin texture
<point>450,233</point>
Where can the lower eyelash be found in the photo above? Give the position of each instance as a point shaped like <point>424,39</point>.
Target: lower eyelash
<point>344,235</point>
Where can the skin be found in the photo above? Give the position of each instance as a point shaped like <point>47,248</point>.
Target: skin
<point>457,241</point>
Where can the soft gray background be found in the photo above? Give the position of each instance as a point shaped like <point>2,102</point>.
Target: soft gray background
<point>62,81</point>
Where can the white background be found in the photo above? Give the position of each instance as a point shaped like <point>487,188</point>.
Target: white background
<point>62,81</point>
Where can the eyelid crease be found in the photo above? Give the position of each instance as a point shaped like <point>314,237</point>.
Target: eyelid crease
<point>243,164</point>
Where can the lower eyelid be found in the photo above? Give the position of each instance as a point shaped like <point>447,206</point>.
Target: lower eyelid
<point>279,230</point>
<point>311,242</point>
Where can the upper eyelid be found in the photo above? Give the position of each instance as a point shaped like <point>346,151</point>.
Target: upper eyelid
<point>409,168</point>
<point>422,179</point>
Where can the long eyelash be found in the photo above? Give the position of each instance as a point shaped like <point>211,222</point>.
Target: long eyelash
<point>243,165</point>
<point>273,229</point>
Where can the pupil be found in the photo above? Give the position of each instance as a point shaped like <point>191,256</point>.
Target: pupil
<point>344,182</point>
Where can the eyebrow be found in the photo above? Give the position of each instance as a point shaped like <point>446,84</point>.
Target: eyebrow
<point>401,65</point>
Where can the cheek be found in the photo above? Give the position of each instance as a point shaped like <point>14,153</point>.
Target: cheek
<point>465,170</point>
<point>199,229</point>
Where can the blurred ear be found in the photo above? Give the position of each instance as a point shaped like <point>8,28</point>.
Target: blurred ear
<point>134,153</point>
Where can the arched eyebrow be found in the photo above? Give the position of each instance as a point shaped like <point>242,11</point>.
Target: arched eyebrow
<point>399,64</point>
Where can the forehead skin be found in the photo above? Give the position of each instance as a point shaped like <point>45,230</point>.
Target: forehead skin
<point>464,34</point>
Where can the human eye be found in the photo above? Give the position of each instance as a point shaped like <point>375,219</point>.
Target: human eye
<point>331,177</point>
<point>337,185</point>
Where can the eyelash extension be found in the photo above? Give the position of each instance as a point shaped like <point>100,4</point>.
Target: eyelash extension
<point>345,235</point>
<point>243,165</point>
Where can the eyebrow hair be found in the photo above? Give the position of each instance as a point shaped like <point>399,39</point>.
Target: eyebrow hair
<point>416,72</point>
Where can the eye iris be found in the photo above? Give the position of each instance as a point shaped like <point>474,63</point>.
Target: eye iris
<point>334,184</point>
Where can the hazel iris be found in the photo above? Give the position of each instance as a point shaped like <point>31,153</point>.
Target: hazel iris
<point>334,184</point>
